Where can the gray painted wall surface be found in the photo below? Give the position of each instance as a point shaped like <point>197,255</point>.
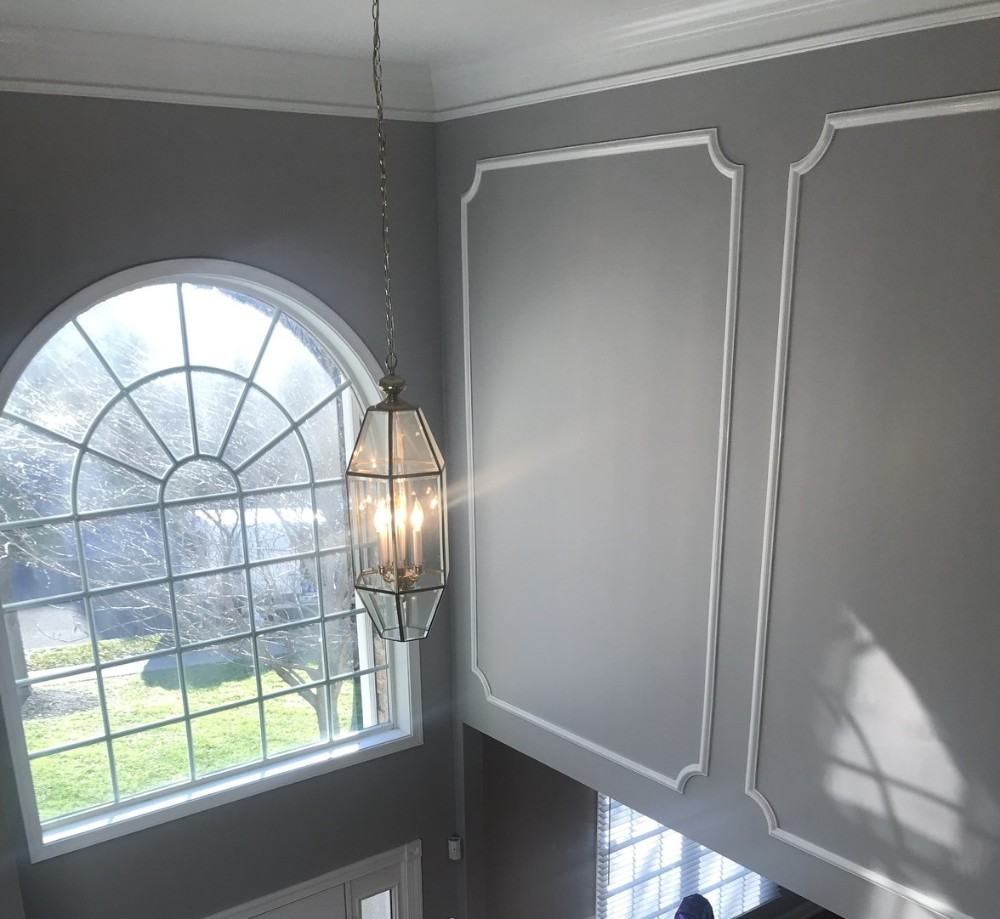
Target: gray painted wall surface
<point>11,906</point>
<point>539,848</point>
<point>884,603</point>
<point>90,187</point>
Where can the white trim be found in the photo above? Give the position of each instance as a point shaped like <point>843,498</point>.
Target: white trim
<point>721,34</point>
<point>73,63</point>
<point>888,114</point>
<point>407,858</point>
<point>362,367</point>
<point>479,87</point>
<point>733,172</point>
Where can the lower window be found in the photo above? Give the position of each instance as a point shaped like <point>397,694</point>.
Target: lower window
<point>645,869</point>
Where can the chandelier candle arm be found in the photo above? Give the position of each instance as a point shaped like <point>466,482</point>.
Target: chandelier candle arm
<point>396,491</point>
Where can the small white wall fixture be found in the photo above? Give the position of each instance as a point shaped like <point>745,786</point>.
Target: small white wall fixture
<point>708,139</point>
<point>839,121</point>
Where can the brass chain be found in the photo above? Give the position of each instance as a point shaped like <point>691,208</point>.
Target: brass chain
<point>390,332</point>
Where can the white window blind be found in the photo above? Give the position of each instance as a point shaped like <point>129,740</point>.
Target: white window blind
<point>645,869</point>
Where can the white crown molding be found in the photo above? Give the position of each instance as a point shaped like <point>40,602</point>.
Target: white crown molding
<point>97,64</point>
<point>716,35</point>
<point>590,58</point>
<point>733,172</point>
<point>909,111</point>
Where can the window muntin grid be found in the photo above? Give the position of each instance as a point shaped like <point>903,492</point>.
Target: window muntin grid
<point>278,533</point>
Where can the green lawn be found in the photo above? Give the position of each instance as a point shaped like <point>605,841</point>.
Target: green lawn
<point>69,782</point>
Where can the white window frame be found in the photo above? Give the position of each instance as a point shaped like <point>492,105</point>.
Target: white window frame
<point>405,731</point>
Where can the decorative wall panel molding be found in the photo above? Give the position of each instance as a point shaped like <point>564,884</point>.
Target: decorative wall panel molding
<point>734,174</point>
<point>840,121</point>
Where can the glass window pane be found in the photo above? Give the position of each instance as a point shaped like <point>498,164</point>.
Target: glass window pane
<point>290,657</point>
<point>138,332</point>
<point>295,720</point>
<point>382,695</point>
<point>132,623</point>
<point>342,645</point>
<point>356,703</point>
<point>203,536</point>
<point>284,592</point>
<point>57,713</point>
<point>378,906</point>
<point>337,584</point>
<point>41,561</point>
<point>331,510</point>
<point>295,370</point>
<point>216,397</point>
<point>279,524</point>
<point>164,401</point>
<point>226,739</point>
<point>123,549</point>
<point>157,758</point>
<point>36,473</point>
<point>212,606</point>
<point>224,329</point>
<point>199,479</point>
<point>220,674</point>
<point>105,486</point>
<point>324,437</point>
<point>142,692</point>
<point>66,783</point>
<point>282,464</point>
<point>49,638</point>
<point>124,436</point>
<point>259,423</point>
<point>64,386</point>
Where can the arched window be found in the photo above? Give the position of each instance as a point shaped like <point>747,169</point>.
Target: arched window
<point>176,589</point>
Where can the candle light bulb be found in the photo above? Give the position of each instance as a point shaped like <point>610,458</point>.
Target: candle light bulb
<point>381,520</point>
<point>416,525</point>
<point>400,520</point>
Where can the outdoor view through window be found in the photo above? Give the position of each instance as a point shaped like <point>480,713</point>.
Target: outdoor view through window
<point>175,582</point>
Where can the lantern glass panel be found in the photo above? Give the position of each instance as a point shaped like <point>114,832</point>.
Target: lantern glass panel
<point>401,617</point>
<point>413,449</point>
<point>371,452</point>
<point>417,504</point>
<point>371,529</point>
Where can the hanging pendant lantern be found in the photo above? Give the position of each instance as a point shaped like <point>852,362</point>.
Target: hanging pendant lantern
<point>396,489</point>
<point>395,479</point>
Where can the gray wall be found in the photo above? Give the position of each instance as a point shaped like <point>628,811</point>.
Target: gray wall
<point>598,360</point>
<point>539,842</point>
<point>90,187</point>
<point>11,906</point>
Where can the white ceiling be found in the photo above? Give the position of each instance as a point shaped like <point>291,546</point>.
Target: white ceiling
<point>453,56</point>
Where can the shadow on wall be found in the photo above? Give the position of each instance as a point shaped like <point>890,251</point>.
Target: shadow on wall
<point>894,770</point>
